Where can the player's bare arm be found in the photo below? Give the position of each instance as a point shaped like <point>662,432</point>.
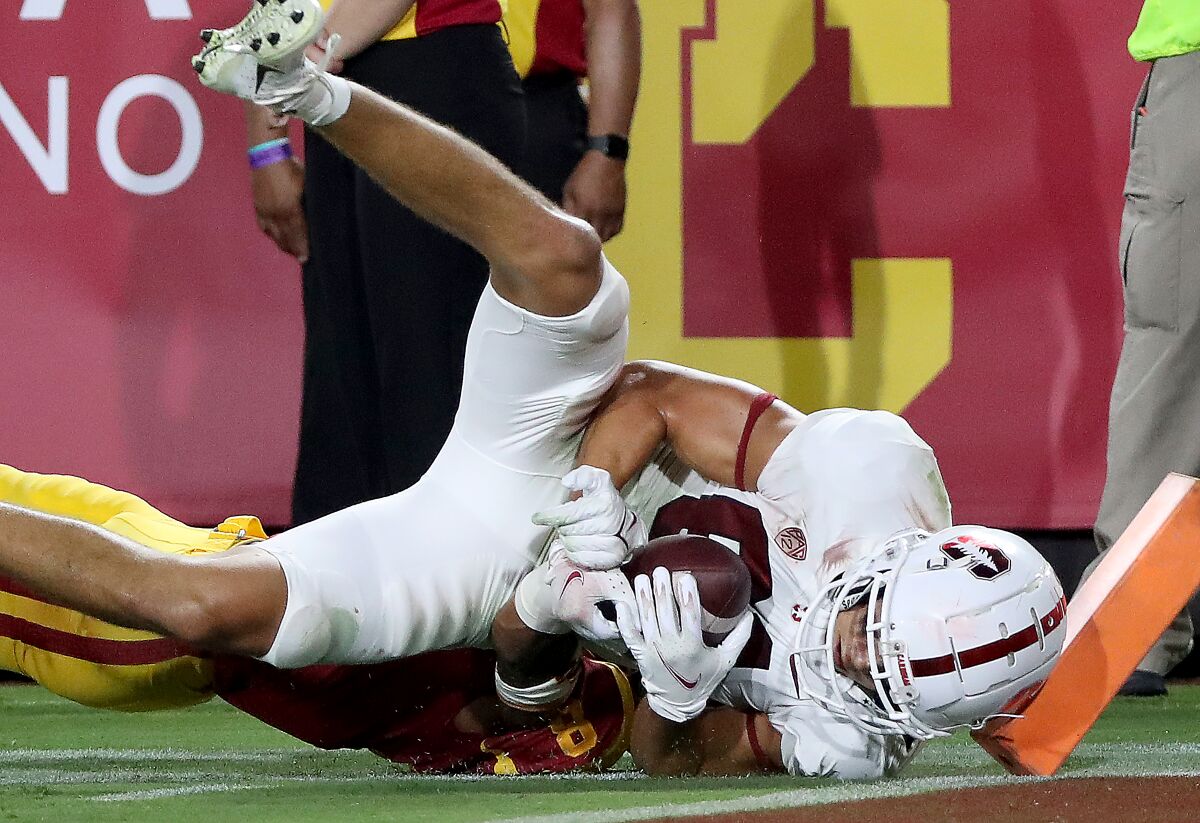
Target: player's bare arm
<point>721,741</point>
<point>701,415</point>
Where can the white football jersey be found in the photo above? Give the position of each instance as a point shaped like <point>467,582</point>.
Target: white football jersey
<point>837,486</point>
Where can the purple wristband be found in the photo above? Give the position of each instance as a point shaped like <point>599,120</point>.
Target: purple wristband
<point>274,151</point>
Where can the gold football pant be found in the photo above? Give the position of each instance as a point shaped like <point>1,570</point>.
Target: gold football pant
<point>88,660</point>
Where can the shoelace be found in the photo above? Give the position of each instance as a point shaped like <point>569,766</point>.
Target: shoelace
<point>331,45</point>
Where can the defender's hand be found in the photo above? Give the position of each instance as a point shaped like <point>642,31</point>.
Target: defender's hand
<point>679,671</point>
<point>277,189</point>
<point>597,529</point>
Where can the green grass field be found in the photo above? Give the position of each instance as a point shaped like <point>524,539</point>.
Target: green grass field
<point>62,762</point>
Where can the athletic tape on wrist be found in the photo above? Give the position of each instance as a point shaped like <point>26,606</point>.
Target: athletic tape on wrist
<point>543,696</point>
<point>334,104</point>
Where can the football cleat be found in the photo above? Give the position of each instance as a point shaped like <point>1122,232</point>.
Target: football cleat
<point>290,21</point>
<point>261,59</point>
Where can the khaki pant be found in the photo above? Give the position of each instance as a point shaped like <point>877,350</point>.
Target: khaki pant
<point>1154,417</point>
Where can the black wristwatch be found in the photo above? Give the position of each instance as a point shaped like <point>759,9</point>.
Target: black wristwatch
<point>610,145</point>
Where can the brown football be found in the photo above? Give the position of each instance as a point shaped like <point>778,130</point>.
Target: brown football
<point>721,577</point>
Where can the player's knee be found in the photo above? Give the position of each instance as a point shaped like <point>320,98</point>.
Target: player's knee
<point>206,619</point>
<point>567,247</point>
<point>580,248</point>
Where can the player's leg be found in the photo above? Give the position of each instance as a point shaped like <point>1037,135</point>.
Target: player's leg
<point>542,259</point>
<point>230,602</point>
<point>433,565</point>
<point>88,660</point>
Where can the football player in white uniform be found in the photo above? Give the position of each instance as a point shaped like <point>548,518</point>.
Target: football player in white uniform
<point>876,624</point>
<point>430,567</point>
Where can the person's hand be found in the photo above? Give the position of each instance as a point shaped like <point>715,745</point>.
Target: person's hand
<point>579,593</point>
<point>598,531</point>
<point>277,189</point>
<point>595,192</point>
<point>679,671</point>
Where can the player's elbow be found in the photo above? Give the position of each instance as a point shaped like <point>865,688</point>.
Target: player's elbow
<point>644,378</point>
<point>650,383</point>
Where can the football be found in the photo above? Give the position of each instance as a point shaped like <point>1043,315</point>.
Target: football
<point>721,577</point>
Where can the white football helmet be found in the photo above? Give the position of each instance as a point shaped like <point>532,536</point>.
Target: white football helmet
<point>958,623</point>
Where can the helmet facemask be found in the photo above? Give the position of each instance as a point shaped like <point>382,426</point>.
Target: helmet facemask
<point>888,709</point>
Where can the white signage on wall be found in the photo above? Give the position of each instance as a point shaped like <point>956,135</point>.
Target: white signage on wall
<point>48,155</point>
<point>157,9</point>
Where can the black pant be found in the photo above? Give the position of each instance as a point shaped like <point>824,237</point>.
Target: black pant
<point>556,134</point>
<point>388,298</point>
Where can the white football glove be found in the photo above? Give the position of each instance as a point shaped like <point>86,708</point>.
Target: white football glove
<point>598,530</point>
<point>679,671</point>
<point>578,592</point>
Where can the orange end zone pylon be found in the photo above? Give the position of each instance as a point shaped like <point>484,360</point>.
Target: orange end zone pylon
<point>1113,620</point>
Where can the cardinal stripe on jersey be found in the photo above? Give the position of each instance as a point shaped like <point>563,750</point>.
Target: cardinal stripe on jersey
<point>997,649</point>
<point>100,650</point>
<point>91,649</point>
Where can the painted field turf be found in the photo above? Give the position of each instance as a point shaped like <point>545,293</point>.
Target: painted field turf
<point>62,762</point>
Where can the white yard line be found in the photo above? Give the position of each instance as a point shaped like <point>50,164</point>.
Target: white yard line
<point>1149,760</point>
<point>830,794</point>
<point>57,777</point>
<point>148,755</point>
<point>158,794</point>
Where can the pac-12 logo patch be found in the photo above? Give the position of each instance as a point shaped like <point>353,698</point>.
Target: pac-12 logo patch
<point>793,542</point>
<point>987,562</point>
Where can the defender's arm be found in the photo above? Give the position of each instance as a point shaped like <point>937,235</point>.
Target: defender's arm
<point>722,741</point>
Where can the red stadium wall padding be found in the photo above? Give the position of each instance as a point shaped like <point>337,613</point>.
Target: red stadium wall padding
<point>152,337</point>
